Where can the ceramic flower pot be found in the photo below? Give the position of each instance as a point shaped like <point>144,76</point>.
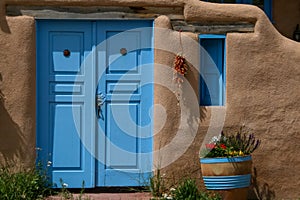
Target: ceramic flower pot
<point>232,176</point>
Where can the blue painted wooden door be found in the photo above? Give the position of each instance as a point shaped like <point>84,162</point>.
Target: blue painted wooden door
<point>107,145</point>
<point>125,141</point>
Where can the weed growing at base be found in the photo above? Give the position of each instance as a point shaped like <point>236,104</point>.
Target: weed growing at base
<point>187,189</point>
<point>23,184</point>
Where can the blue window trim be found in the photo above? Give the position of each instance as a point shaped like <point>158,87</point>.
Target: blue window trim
<point>267,6</point>
<point>211,36</point>
<point>215,36</point>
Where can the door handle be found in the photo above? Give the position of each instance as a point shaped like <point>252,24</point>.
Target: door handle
<point>100,100</point>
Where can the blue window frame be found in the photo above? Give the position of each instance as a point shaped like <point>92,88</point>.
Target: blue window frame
<point>266,5</point>
<point>212,69</point>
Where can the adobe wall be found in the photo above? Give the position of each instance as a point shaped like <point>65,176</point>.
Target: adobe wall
<point>17,91</point>
<point>262,92</point>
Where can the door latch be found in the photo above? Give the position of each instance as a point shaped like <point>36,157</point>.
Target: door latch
<point>100,100</point>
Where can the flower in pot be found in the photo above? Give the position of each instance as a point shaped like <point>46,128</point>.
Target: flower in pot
<point>226,163</point>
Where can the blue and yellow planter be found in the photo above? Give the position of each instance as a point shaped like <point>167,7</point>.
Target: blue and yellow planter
<point>228,174</point>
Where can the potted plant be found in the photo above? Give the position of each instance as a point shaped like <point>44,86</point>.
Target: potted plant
<point>226,163</point>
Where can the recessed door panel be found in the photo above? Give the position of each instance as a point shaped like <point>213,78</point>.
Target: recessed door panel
<point>122,133</point>
<point>123,51</point>
<point>67,147</point>
<point>66,49</point>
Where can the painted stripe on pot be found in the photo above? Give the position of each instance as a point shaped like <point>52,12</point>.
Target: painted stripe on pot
<point>225,160</point>
<point>227,182</point>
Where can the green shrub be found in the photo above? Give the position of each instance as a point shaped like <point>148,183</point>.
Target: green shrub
<point>157,184</point>
<point>25,184</point>
<point>188,190</point>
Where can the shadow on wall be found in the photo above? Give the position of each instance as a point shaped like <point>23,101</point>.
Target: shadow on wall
<point>3,23</point>
<point>260,190</point>
<point>203,112</point>
<point>11,140</point>
<point>187,96</point>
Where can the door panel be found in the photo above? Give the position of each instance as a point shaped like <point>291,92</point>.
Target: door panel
<point>117,156</point>
<point>71,147</point>
<point>65,106</point>
<point>58,43</point>
<point>118,63</point>
<point>127,81</point>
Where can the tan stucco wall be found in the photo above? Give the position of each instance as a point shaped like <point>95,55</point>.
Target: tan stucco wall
<point>17,90</point>
<point>262,92</point>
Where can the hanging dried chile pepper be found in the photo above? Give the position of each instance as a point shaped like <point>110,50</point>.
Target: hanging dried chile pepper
<point>180,69</point>
<point>180,65</point>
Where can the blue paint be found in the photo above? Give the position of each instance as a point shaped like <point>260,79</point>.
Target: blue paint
<point>127,81</point>
<point>65,88</point>
<point>66,109</point>
<point>247,1</point>
<point>225,160</point>
<point>227,182</point>
<point>268,4</point>
<point>57,134</point>
<point>212,70</point>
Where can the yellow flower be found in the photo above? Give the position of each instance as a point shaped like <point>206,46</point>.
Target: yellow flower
<point>241,153</point>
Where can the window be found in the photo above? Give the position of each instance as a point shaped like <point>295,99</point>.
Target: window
<point>266,5</point>
<point>212,70</point>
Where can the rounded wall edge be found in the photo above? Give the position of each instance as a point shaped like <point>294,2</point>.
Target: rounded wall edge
<point>17,87</point>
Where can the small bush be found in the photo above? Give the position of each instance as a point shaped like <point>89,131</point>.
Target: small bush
<point>157,184</point>
<point>26,184</point>
<point>188,190</point>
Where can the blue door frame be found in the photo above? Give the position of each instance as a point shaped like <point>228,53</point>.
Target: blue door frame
<point>108,145</point>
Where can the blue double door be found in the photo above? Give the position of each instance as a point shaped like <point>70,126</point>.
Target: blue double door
<point>94,101</point>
